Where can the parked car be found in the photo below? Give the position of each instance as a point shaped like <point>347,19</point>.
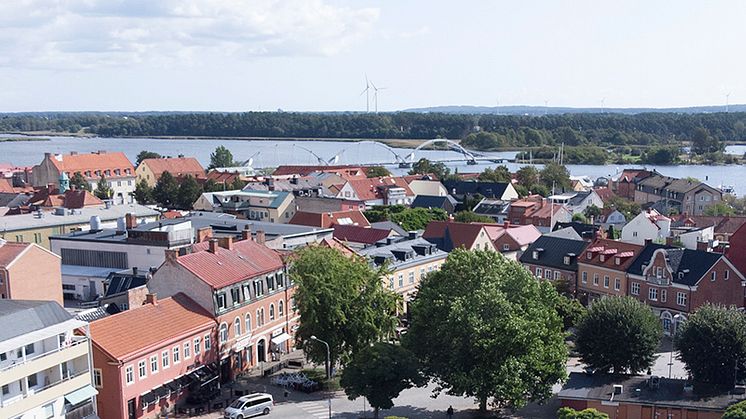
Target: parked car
<point>250,405</point>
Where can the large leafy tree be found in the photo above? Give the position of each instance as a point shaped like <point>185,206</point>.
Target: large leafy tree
<point>166,191</point>
<point>103,190</point>
<point>221,157</point>
<point>377,171</point>
<point>379,373</point>
<point>471,217</point>
<point>483,327</point>
<point>189,191</point>
<point>618,334</point>
<point>499,174</point>
<point>146,155</point>
<point>412,219</point>
<point>79,182</point>
<point>426,167</point>
<point>555,175</point>
<point>712,344</point>
<point>144,193</point>
<point>342,301</point>
<point>528,176</point>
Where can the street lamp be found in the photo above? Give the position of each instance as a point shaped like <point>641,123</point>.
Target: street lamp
<point>328,362</point>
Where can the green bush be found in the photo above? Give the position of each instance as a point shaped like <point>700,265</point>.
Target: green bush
<point>568,413</point>
<point>736,411</point>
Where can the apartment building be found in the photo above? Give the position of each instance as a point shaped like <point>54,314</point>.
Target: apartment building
<point>687,196</point>
<point>152,355</point>
<point>448,235</point>
<point>555,259</point>
<point>268,206</point>
<point>29,271</point>
<point>245,288</point>
<point>602,268</point>
<point>150,170</point>
<point>45,363</point>
<point>386,190</point>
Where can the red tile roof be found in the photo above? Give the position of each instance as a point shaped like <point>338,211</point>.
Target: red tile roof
<point>328,219</point>
<point>220,177</point>
<point>9,251</point>
<point>145,328</point>
<point>72,163</point>
<point>723,224</point>
<point>522,235</point>
<point>337,244</point>
<point>177,166</point>
<point>373,188</point>
<point>247,259</point>
<point>341,170</point>
<point>626,251</point>
<point>460,234</point>
<point>356,234</point>
<point>604,193</point>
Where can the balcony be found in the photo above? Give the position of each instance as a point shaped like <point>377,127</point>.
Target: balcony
<point>81,412</point>
<point>40,395</point>
<point>16,369</point>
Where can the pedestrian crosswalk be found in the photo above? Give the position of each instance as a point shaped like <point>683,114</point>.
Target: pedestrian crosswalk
<point>318,410</point>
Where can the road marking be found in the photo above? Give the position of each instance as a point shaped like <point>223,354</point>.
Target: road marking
<point>316,409</point>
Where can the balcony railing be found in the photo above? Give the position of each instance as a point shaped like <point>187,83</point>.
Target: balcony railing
<point>36,390</point>
<point>80,412</point>
<point>14,363</point>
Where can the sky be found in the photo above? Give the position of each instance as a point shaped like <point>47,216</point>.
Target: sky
<point>314,55</point>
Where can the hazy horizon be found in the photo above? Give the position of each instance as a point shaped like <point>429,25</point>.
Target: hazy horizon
<point>296,55</point>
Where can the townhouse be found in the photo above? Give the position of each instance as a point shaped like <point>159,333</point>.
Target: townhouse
<point>268,206</point>
<point>150,170</point>
<point>45,363</point>
<point>449,235</point>
<point>578,202</point>
<point>647,225</point>
<point>245,288</point>
<point>537,211</point>
<point>445,202</point>
<point>463,189</point>
<point>115,167</point>
<point>152,355</point>
<point>555,259</point>
<point>29,271</point>
<point>676,281</point>
<point>511,240</point>
<point>626,184</point>
<point>602,268</point>
<point>724,226</point>
<point>386,190</point>
<point>425,185</point>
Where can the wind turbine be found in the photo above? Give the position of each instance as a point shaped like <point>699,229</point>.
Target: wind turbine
<point>367,94</point>
<point>375,94</point>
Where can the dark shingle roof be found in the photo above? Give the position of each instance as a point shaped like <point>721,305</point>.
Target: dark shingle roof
<point>491,207</point>
<point>486,189</point>
<point>432,201</point>
<point>688,265</point>
<point>554,251</point>
<point>20,317</point>
<point>586,231</point>
<point>119,282</point>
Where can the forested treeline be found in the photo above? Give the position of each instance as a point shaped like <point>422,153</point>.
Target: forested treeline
<point>479,131</point>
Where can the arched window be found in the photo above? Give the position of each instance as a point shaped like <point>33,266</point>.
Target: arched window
<point>223,333</point>
<point>248,322</point>
<point>237,326</point>
<point>280,308</point>
<point>271,312</point>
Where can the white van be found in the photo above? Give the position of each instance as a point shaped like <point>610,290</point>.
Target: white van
<point>251,405</point>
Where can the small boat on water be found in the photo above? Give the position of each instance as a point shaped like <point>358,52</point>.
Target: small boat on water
<point>727,189</point>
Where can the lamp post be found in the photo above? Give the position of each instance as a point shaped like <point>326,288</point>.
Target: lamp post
<point>328,369</point>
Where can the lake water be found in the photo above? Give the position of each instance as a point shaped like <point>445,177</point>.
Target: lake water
<point>274,153</point>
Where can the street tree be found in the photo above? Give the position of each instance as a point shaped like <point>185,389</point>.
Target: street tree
<point>103,190</point>
<point>499,174</point>
<point>189,191</point>
<point>527,176</point>
<point>482,326</point>
<point>379,373</point>
<point>712,344</point>
<point>144,193</point>
<point>221,157</point>
<point>340,300</point>
<point>146,155</point>
<point>618,334</point>
<point>79,182</point>
<point>166,191</point>
<point>555,175</point>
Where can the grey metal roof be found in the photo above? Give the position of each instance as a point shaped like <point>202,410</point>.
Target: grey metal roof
<point>77,216</point>
<point>20,317</point>
<point>688,265</point>
<point>389,225</point>
<point>418,250</point>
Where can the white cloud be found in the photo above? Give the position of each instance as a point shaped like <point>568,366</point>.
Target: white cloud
<point>71,34</point>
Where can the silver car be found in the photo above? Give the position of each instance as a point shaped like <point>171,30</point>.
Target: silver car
<point>251,405</point>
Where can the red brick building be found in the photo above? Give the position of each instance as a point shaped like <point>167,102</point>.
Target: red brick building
<point>29,272</point>
<point>244,286</point>
<point>602,268</point>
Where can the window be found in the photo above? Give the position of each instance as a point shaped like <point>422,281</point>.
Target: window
<point>235,296</point>
<point>129,374</point>
<point>197,346</point>
<point>411,277</point>
<point>714,276</point>
<point>33,381</point>
<point>681,298</point>
<point>208,344</point>
<point>663,296</point>
<point>258,288</point>
<point>634,234</point>
<point>141,369</point>
<point>635,288</point>
<point>280,277</point>
<point>6,389</point>
<point>153,364</point>
<point>188,346</point>
<point>223,333</point>
<point>261,317</point>
<point>606,281</point>
<point>280,308</point>
<point>401,280</point>
<point>539,272</point>
<point>556,275</point>
<point>422,273</point>
<point>165,360</point>
<point>566,260</point>
<point>97,378</point>
<point>221,301</point>
<point>595,279</point>
<point>589,255</point>
<point>270,282</point>
<point>272,311</point>
<point>248,323</point>
<point>547,274</point>
<point>237,327</point>
<point>258,319</point>
<point>176,354</point>
<point>617,284</point>
<point>617,261</point>
<point>602,257</point>
<point>584,277</point>
<point>48,411</point>
<point>658,272</point>
<point>726,274</point>
<point>653,294</point>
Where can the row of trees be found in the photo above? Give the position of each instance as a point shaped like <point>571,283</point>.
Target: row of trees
<point>493,130</point>
<point>181,192</point>
<point>409,219</point>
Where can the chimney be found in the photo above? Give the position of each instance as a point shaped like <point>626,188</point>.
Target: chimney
<point>130,220</point>
<point>47,155</point>
<point>151,298</point>
<point>260,237</point>
<point>246,232</point>
<point>226,243</point>
<point>506,224</point>
<point>172,255</point>
<point>648,241</point>
<point>703,246</point>
<point>213,245</point>
<point>203,234</point>
<point>73,153</point>
<point>134,270</point>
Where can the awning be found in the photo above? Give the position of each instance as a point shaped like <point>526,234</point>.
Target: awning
<point>80,395</point>
<point>204,375</point>
<point>162,392</point>
<point>147,398</point>
<point>280,339</point>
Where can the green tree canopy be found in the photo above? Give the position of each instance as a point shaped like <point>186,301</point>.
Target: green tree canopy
<point>412,219</point>
<point>555,175</point>
<point>79,182</point>
<point>712,344</point>
<point>735,411</point>
<point>703,142</point>
<point>166,191</point>
<point>579,217</point>
<point>569,413</point>
<point>221,157</point>
<point>379,373</point>
<point>499,174</point>
<point>425,167</point>
<point>618,334</point>
<point>527,176</point>
<point>471,217</point>
<point>144,193</point>
<point>720,209</point>
<point>378,171</point>
<point>103,190</point>
<point>189,191</point>
<point>592,211</point>
<point>484,327</point>
<point>342,301</point>
<point>146,155</point>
